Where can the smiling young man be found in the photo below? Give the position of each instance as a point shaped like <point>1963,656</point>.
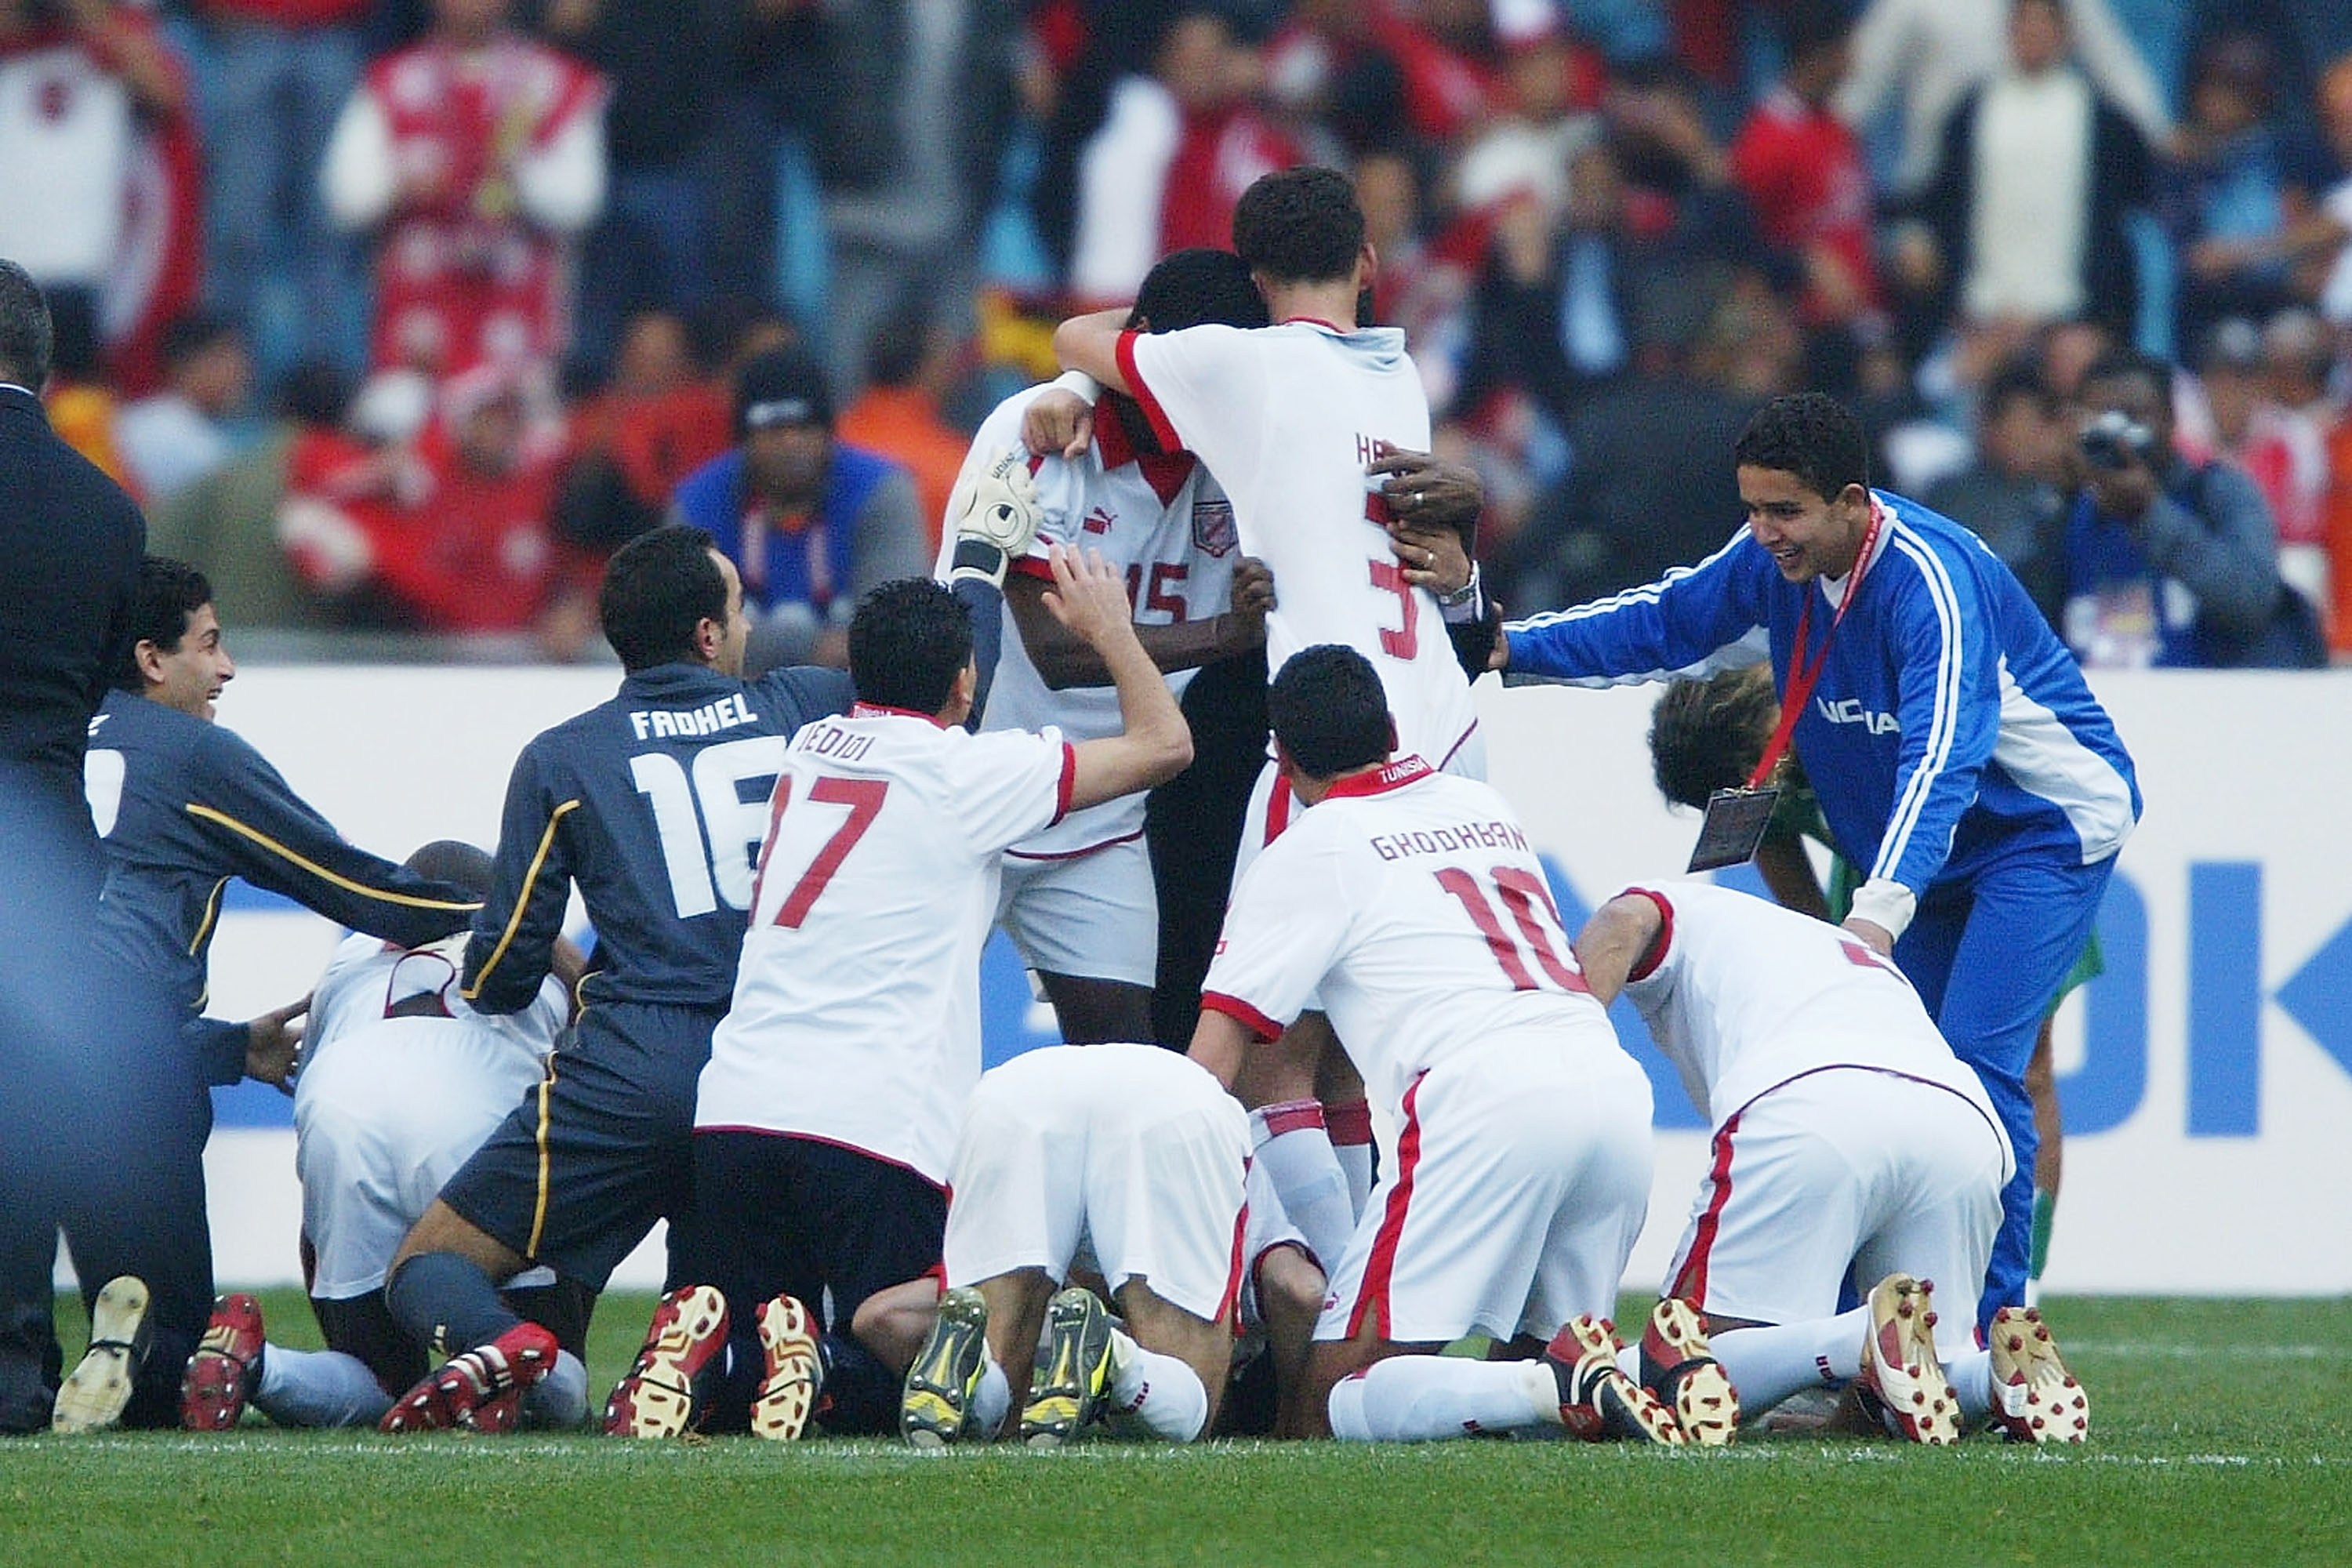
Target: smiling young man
<point>1955,751</point>
<point>183,805</point>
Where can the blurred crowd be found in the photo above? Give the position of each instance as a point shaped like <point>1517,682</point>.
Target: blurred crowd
<point>402,314</point>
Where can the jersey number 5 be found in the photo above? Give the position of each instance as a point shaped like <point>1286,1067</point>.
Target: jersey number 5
<point>864,797</point>
<point>1521,893</point>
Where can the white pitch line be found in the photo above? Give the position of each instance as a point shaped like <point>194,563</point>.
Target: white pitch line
<point>2158,1350</point>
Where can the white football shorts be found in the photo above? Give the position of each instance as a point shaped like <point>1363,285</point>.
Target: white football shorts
<point>1131,1151</point>
<point>1520,1181</point>
<point>1092,916</point>
<point>1843,1166</point>
<point>382,1118</point>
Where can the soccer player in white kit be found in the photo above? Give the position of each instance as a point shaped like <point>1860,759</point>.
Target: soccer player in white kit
<point>1078,899</point>
<point>1288,417</point>
<point>826,1116</point>
<point>1131,1156</point>
<point>1412,904</point>
<point>401,1081</point>
<point>1846,1135</point>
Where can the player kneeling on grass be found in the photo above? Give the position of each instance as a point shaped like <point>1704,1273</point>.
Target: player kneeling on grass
<point>1410,903</point>
<point>1126,1152</point>
<point>826,1117</point>
<point>401,1081</point>
<point>1846,1136</point>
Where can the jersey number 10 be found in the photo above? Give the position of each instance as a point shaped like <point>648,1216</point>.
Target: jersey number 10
<point>1521,893</point>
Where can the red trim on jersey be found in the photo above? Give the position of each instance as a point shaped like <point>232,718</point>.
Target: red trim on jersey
<point>1277,809</point>
<point>1292,1116</point>
<point>1165,472</point>
<point>1390,776</point>
<point>1232,1298</point>
<point>1690,1284</point>
<point>1030,566</point>
<point>1349,1123</point>
<point>1372,1295</point>
<point>1656,954</point>
<point>1242,1013</point>
<point>1068,782</point>
<point>884,710</point>
<point>1454,750</point>
<point>1313,322</point>
<point>1077,854</point>
<point>859,1148</point>
<point>1162,426</point>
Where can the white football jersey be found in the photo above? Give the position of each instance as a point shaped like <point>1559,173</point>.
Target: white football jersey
<point>1413,904</point>
<point>68,123</point>
<point>1163,524</point>
<point>857,1010</point>
<point>1743,996</point>
<point>365,977</point>
<point>1287,417</point>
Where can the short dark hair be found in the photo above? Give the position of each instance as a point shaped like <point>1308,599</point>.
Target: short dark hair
<point>1811,435</point>
<point>1706,735</point>
<point>2129,365</point>
<point>453,860</point>
<point>1328,709</point>
<point>909,640</point>
<point>1299,225</point>
<point>24,340</point>
<point>658,587</point>
<point>1197,286</point>
<point>168,594</point>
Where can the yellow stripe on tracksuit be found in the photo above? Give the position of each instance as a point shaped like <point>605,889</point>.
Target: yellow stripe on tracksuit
<point>315,869</point>
<point>522,900</point>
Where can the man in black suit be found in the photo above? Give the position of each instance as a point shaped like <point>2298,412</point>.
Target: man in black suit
<point>72,541</point>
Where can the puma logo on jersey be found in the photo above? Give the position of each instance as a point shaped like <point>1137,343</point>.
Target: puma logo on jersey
<point>1850,711</point>
<point>662,723</point>
<point>1098,521</point>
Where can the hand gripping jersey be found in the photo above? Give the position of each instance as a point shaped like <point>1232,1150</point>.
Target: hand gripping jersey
<point>857,1012</point>
<point>1743,996</point>
<point>1950,728</point>
<point>1158,519</point>
<point>1412,903</point>
<point>1286,418</point>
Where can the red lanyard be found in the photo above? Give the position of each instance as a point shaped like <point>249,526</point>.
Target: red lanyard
<point>1802,676</point>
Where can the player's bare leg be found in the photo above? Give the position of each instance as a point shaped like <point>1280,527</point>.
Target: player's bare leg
<point>444,1230</point>
<point>895,1322</point>
<point>1149,1358</point>
<point>1290,1298</point>
<point>1092,1011</point>
<point>1016,1318</point>
<point>2048,1159</point>
<point>443,1288</point>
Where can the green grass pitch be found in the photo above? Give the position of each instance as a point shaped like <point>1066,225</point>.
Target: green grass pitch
<point>2221,1432</point>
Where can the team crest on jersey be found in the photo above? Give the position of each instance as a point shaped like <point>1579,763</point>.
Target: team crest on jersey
<point>1212,528</point>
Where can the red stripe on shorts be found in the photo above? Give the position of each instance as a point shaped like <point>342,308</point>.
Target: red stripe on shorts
<point>1372,1295</point>
<point>1690,1284</point>
<point>1233,1295</point>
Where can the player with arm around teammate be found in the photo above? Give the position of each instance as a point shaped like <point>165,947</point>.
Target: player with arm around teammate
<point>654,804</point>
<point>1846,1135</point>
<point>1949,737</point>
<point>1412,904</point>
<point>1079,900</point>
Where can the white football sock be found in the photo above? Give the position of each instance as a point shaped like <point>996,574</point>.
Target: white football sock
<point>1306,1175</point>
<point>1351,1127</point>
<point>990,1401</point>
<point>1767,1365</point>
<point>1415,1398</point>
<point>318,1389</point>
<point>559,1400</point>
<point>1161,1395</point>
<point>1972,1375</point>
